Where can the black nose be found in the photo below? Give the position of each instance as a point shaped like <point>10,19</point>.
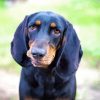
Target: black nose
<point>38,52</point>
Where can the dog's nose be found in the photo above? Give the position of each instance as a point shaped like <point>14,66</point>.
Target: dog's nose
<point>38,52</point>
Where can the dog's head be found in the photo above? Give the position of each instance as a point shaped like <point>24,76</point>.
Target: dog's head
<point>43,38</point>
<point>45,32</point>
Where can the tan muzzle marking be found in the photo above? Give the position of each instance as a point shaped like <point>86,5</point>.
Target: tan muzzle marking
<point>47,59</point>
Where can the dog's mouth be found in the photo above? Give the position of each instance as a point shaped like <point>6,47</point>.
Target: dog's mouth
<point>40,63</point>
<point>37,63</point>
<point>44,61</point>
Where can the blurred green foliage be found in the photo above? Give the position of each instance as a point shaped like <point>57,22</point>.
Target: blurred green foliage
<point>2,3</point>
<point>83,14</point>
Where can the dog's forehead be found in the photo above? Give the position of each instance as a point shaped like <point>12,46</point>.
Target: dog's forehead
<point>46,17</point>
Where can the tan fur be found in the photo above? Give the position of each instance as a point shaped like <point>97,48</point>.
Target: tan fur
<point>38,22</point>
<point>30,98</point>
<point>46,60</point>
<point>53,25</point>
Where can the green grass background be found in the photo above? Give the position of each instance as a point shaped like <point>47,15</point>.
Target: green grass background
<point>83,14</point>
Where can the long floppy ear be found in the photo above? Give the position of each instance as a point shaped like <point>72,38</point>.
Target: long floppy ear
<point>18,44</point>
<point>70,55</point>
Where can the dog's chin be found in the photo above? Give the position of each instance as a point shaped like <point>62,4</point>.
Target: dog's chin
<point>39,64</point>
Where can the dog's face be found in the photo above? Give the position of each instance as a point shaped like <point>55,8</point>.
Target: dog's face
<point>45,32</point>
<point>46,39</point>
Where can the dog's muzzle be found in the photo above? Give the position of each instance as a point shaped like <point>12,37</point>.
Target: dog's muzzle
<point>41,55</point>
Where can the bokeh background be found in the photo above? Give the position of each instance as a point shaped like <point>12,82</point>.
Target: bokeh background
<point>85,17</point>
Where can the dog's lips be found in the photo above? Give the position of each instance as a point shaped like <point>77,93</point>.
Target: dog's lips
<point>38,63</point>
<point>35,64</point>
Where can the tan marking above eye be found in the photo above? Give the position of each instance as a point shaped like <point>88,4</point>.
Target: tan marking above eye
<point>53,25</point>
<point>38,22</point>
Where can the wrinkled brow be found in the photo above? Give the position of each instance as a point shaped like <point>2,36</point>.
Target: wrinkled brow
<point>53,21</point>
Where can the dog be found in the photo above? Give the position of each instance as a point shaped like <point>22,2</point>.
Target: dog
<point>47,47</point>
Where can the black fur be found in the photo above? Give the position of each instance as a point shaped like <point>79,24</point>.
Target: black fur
<point>58,81</point>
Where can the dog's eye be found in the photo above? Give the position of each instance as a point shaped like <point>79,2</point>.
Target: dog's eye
<point>57,32</point>
<point>31,28</point>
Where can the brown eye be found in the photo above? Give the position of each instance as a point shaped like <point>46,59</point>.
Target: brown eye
<point>57,32</point>
<point>32,28</point>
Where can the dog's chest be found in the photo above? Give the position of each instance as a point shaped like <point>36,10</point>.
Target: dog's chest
<point>47,82</point>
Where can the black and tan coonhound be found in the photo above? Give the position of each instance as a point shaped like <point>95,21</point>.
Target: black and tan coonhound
<point>49,51</point>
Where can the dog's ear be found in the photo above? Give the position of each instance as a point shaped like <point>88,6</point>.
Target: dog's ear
<point>18,44</point>
<point>70,53</point>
